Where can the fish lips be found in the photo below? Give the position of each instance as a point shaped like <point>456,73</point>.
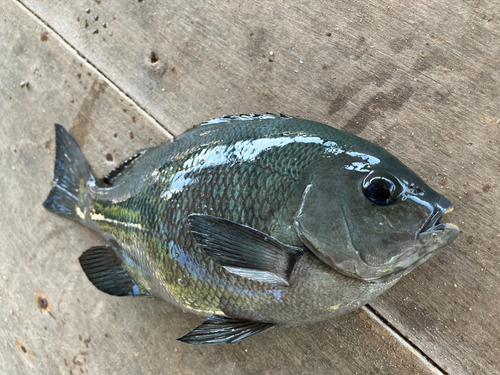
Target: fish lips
<point>441,234</point>
<point>433,233</point>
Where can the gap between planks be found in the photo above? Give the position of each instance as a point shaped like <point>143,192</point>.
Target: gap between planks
<point>69,46</point>
<point>379,318</point>
<point>374,314</point>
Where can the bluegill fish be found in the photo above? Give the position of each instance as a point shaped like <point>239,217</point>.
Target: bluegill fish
<point>253,221</point>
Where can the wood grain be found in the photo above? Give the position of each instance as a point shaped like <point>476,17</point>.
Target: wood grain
<point>420,78</point>
<point>52,320</point>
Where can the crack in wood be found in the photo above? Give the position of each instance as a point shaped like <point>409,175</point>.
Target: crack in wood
<point>398,334</point>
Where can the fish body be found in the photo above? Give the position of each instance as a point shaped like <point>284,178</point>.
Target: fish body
<point>253,221</point>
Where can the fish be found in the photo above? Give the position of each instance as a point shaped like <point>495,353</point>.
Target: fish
<point>252,221</point>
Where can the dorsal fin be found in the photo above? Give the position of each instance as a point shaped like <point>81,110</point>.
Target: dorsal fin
<point>231,118</point>
<point>245,117</point>
<point>110,178</point>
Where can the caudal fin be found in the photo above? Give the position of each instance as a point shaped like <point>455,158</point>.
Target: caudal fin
<point>72,177</point>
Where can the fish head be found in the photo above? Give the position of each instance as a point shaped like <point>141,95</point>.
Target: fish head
<point>369,216</point>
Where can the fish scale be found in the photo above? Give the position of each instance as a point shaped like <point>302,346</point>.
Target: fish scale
<point>233,196</point>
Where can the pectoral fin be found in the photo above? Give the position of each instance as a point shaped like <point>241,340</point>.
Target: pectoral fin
<point>220,329</point>
<point>105,270</point>
<point>244,251</point>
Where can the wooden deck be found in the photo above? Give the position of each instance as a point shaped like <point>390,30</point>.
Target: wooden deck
<point>420,78</point>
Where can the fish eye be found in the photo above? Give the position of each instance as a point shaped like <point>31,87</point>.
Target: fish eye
<point>380,190</point>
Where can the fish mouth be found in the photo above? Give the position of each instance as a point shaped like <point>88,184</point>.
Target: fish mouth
<point>430,240</point>
<point>433,223</point>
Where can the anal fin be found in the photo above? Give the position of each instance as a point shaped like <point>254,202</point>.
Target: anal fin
<point>105,270</point>
<point>221,329</point>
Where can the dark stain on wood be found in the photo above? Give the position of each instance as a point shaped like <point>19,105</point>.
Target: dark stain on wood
<point>77,360</point>
<point>377,106</point>
<point>82,123</point>
<point>27,354</point>
<point>381,74</point>
<point>398,45</point>
<point>341,99</point>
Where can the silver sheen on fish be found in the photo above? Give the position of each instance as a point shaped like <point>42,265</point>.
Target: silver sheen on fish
<point>252,221</point>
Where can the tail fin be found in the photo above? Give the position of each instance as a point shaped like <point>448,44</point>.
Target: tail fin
<point>72,177</point>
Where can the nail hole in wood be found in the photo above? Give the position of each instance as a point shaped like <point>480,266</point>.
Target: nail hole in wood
<point>153,58</point>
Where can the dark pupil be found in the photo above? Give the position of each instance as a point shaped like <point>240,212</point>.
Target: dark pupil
<point>380,192</point>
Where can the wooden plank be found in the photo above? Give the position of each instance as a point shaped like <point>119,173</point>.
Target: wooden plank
<point>420,78</point>
<point>52,319</point>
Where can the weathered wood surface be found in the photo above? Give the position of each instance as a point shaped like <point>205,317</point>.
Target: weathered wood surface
<point>78,329</point>
<point>420,78</point>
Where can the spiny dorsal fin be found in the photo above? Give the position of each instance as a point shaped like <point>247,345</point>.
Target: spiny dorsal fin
<point>109,179</point>
<point>231,118</point>
<point>245,117</point>
<point>105,270</point>
<point>244,251</point>
<point>221,329</point>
